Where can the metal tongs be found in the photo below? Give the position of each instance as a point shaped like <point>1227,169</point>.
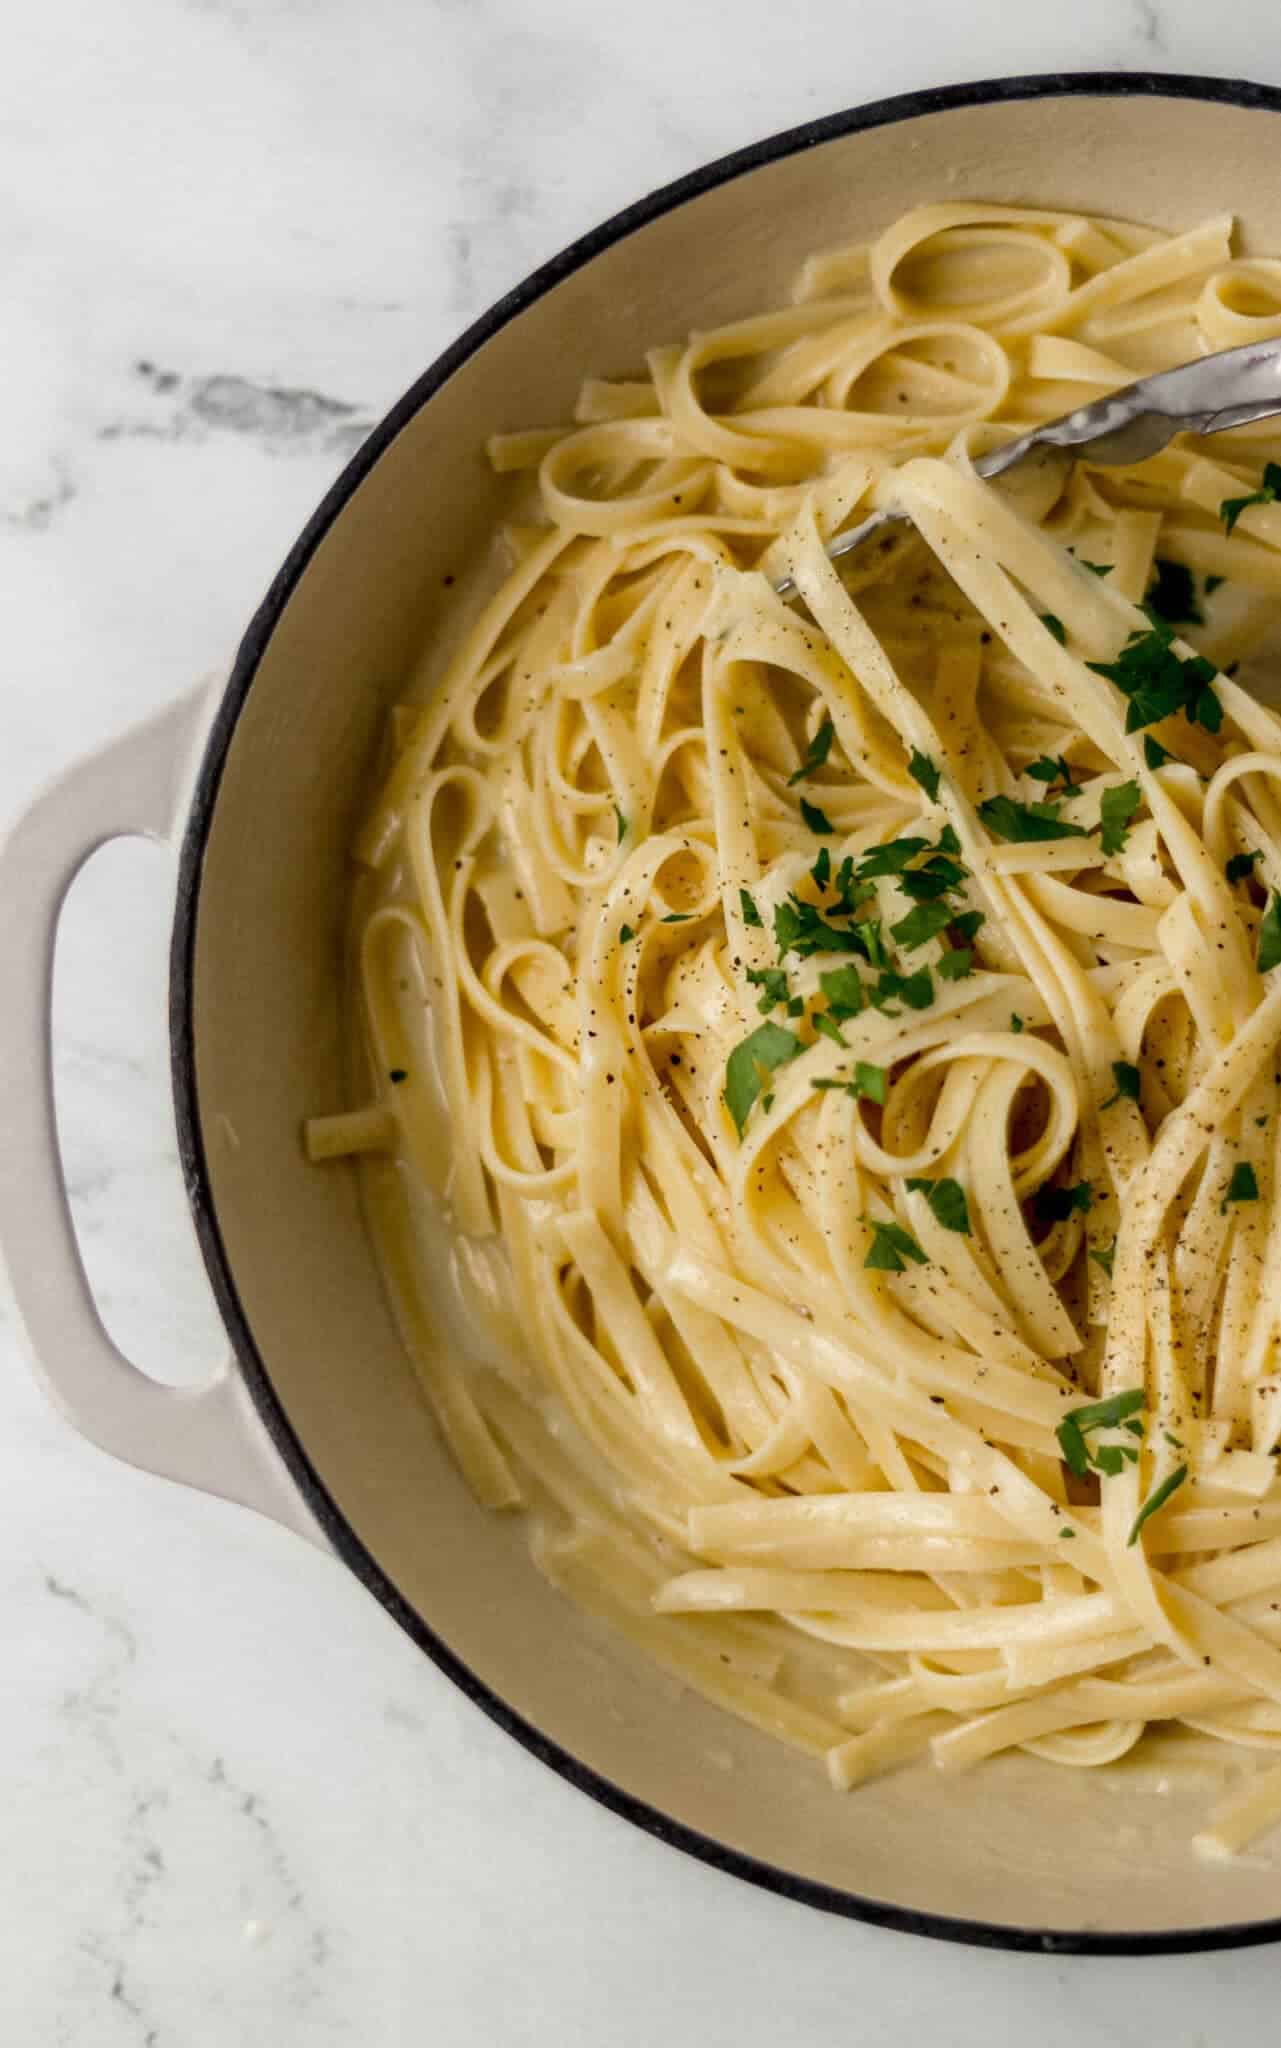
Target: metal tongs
<point>1230,389</point>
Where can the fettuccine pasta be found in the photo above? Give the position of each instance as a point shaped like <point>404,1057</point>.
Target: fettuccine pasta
<point>834,1045</point>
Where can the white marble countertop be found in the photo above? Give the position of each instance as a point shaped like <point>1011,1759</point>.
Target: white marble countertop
<point>238,1804</point>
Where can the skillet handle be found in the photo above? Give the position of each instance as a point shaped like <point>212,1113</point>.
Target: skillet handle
<point>209,1436</point>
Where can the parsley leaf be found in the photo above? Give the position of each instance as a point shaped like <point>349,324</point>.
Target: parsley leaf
<point>922,770</point>
<point>1055,1205</point>
<point>1050,769</point>
<point>1161,1496</point>
<point>891,1247</point>
<point>1076,1425</point>
<point>1154,753</point>
<point>1096,568</point>
<point>947,1201</point>
<point>920,925</point>
<point>818,821</point>
<point>799,928</point>
<point>1270,935</point>
<point>677,917</point>
<point>916,990</point>
<point>622,824</point>
<point>819,749</point>
<point>843,987</point>
<point>1105,1256</point>
<point>869,1081</point>
<point>1243,1187</point>
<point>397,1075</point>
<point>1127,1083</point>
<point>825,1023</point>
<point>1232,508</point>
<point>1016,1022</point>
<point>891,858</point>
<point>956,965</point>
<point>1240,865</point>
<point>773,981</point>
<point>1117,808</point>
<point>967,925</point>
<point>821,872</point>
<point>1172,595</point>
<point>751,915</point>
<point>937,878</point>
<point>1055,627</point>
<point>766,1048</point>
<point>625,934</point>
<point>1020,822</point>
<point>1159,682</point>
<point>1212,583</point>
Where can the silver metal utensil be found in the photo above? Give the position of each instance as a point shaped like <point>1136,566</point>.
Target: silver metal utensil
<point>1229,389</point>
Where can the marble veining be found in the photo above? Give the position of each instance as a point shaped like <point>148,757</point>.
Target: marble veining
<point>238,1805</point>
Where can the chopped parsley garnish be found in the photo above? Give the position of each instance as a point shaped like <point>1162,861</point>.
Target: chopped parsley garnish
<point>826,1025</point>
<point>800,928</point>
<point>677,917</point>
<point>397,1075</point>
<point>622,824</point>
<point>821,872</point>
<point>869,929</point>
<point>796,1007</point>
<point>1065,1533</point>
<point>819,749</point>
<point>1051,769</point>
<point>1172,595</point>
<point>1154,753</point>
<point>1232,508</point>
<point>818,821</point>
<point>751,915</point>
<point>1105,1256</point>
<point>1055,1205</point>
<point>1015,821</point>
<point>947,1202</point>
<point>1240,865</point>
<point>1117,809</point>
<point>843,987</point>
<point>868,1084</point>
<point>1126,1078</point>
<point>891,858</point>
<point>1055,627</point>
<point>1212,584</point>
<point>1269,954</point>
<point>766,1048</point>
<point>1159,682</point>
<point>1161,1496</point>
<point>1243,1187</point>
<point>922,770</point>
<point>936,878</point>
<point>1096,568</point>
<point>1016,1022</point>
<point>625,934</point>
<point>916,990</point>
<point>1078,1423</point>
<point>891,1247</point>
<point>869,1081</point>
<point>921,924</point>
<point>772,981</point>
<point>956,965</point>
